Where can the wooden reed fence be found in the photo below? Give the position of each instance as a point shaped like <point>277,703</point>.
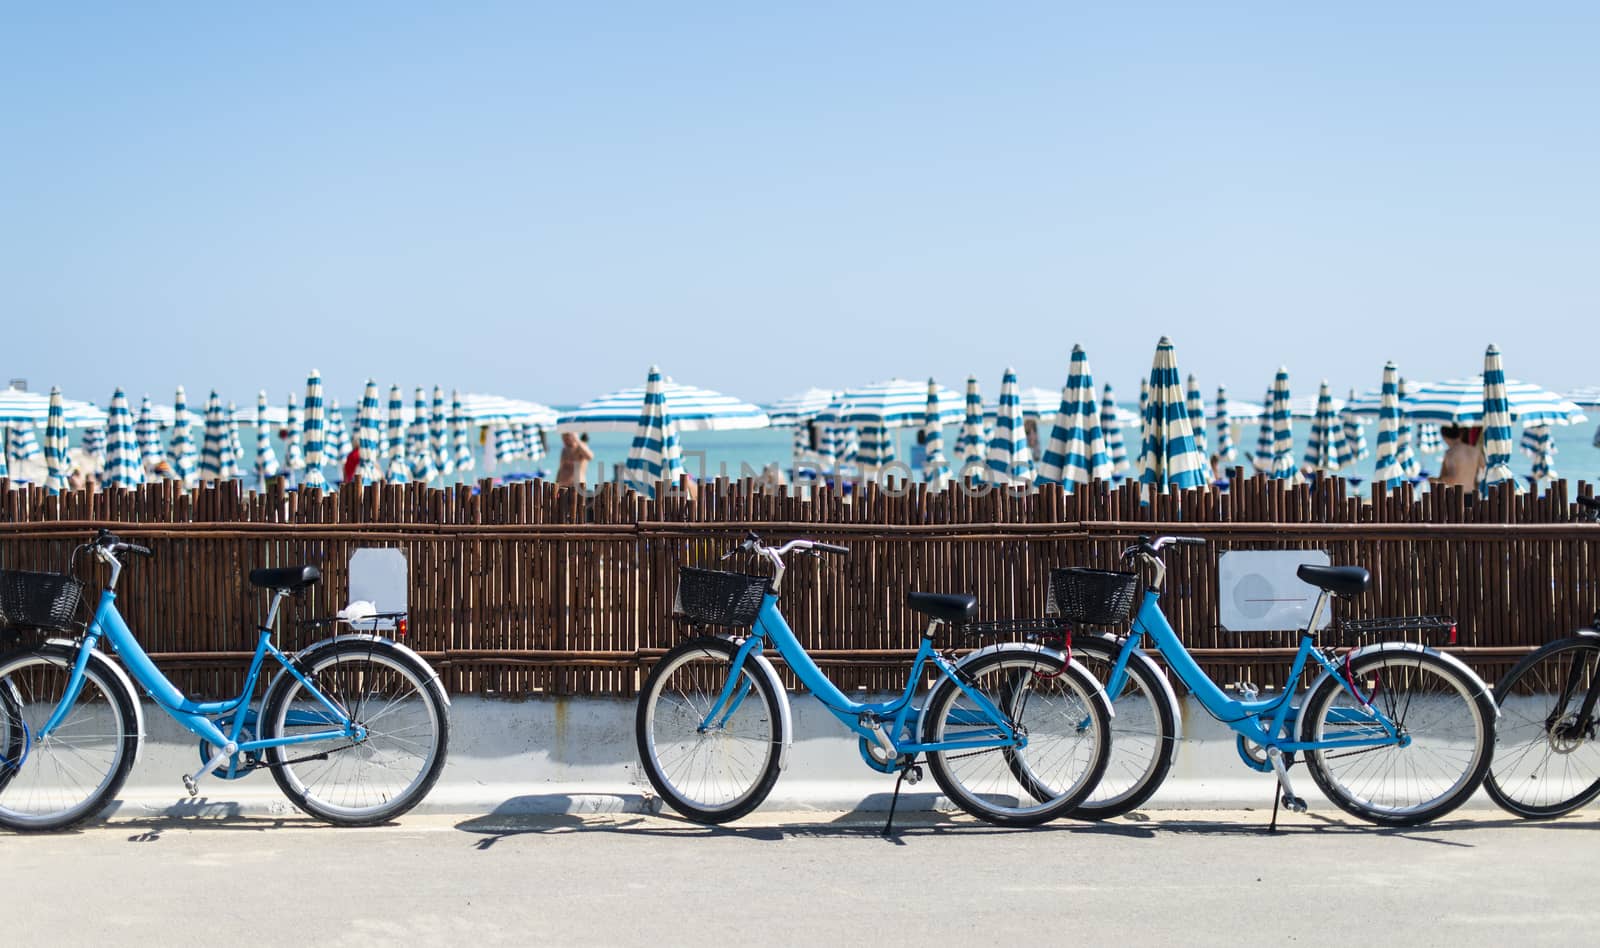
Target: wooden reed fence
<point>527,589</point>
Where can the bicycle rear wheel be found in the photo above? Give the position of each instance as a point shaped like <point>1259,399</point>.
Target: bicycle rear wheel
<point>1144,729</point>
<point>358,782</point>
<point>709,772</point>
<point>61,780</point>
<point>1547,757</point>
<point>1445,720</point>
<point>1056,706</point>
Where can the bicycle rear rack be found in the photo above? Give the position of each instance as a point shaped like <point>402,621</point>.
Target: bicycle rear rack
<point>1439,630</point>
<point>1014,628</point>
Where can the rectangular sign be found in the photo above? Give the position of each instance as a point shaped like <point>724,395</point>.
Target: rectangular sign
<point>1258,591</point>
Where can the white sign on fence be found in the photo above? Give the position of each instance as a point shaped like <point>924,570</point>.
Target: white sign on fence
<point>1258,591</point>
<point>378,575</point>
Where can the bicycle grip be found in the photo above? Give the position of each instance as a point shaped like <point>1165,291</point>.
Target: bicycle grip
<point>135,548</point>
<point>1189,541</point>
<point>831,548</point>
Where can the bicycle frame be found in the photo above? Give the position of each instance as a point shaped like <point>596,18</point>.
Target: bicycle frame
<point>194,715</point>
<point>861,717</point>
<point>1269,722</point>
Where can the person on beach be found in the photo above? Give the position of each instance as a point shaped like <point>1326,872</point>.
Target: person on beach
<point>575,458</point>
<point>1462,464</point>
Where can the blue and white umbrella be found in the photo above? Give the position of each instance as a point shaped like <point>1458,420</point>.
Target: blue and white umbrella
<point>830,446</point>
<point>973,442</point>
<point>801,407</point>
<point>185,459</point>
<point>1144,419</point>
<point>1264,437</point>
<point>1111,426</point>
<point>1197,414</point>
<point>1009,459</point>
<point>1283,465</point>
<point>18,405</point>
<point>315,427</point>
<point>418,449</point>
<point>148,430</point>
<point>266,458</point>
<point>1076,453</point>
<point>1325,450</point>
<point>94,445</point>
<point>1037,404</point>
<point>1169,457</point>
<point>1224,427</point>
<point>655,454</point>
<point>215,442</point>
<point>1389,473</point>
<point>465,461</point>
<point>1540,444</point>
<point>533,442</point>
<point>1461,402</point>
<point>935,466</point>
<point>693,409</point>
<point>399,471</point>
<point>235,455</point>
<point>123,468</point>
<point>1496,423</point>
<point>55,445</point>
<point>1355,436</point>
<point>339,445</point>
<point>505,444</point>
<point>439,435</point>
<point>21,446</point>
<point>895,403</point>
<point>1404,450</point>
<point>874,448</point>
<point>369,435</point>
<point>294,455</point>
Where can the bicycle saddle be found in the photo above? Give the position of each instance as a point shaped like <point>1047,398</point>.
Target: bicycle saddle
<point>285,577</point>
<point>1339,580</point>
<point>948,607</point>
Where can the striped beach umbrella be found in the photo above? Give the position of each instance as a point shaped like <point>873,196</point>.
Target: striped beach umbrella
<point>369,437</point>
<point>399,472</point>
<point>1144,420</point>
<point>266,458</point>
<point>233,459</point>
<point>1496,423</point>
<point>874,449</point>
<point>1169,457</point>
<point>655,454</point>
<point>935,466</point>
<point>465,461</point>
<point>339,445</point>
<point>1544,454</point>
<point>830,443</point>
<point>801,407</point>
<point>693,409</point>
<point>94,445</point>
<point>1460,402</point>
<point>19,405</point>
<point>1264,437</point>
<point>1009,459</point>
<point>418,449</point>
<point>1389,472</point>
<point>56,463</point>
<point>294,455</point>
<point>439,435</point>
<point>1325,449</point>
<point>1355,435</point>
<point>316,430</point>
<point>148,429</point>
<point>1111,427</point>
<point>122,467</point>
<point>214,441</point>
<point>22,445</point>
<point>533,442</point>
<point>1224,427</point>
<point>973,442</point>
<point>182,453</point>
<point>505,444</point>
<point>1076,453</point>
<point>1197,413</point>
<point>1428,439</point>
<point>895,403</point>
<point>1283,465</point>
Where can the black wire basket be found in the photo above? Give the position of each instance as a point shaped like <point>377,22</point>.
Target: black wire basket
<point>1091,596</point>
<point>716,597</point>
<point>39,600</point>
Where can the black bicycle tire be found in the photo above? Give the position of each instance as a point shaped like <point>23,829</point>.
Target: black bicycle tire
<point>1502,690</point>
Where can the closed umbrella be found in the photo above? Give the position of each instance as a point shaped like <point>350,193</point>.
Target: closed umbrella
<point>505,444</point>
<point>655,454</point>
<point>875,447</point>
<point>148,429</point>
<point>1077,452</point>
<point>316,428</point>
<point>439,435</point>
<point>1197,414</point>
<point>1111,426</point>
<point>830,446</point>
<point>55,444</point>
<point>1264,437</point>
<point>1496,423</point>
<point>533,442</point>
<point>1389,472</point>
<point>1325,449</point>
<point>974,440</point>
<point>1224,427</point>
<point>185,460</point>
<point>465,461</point>
<point>294,456</point>
<point>421,453</point>
<point>215,440</point>
<point>22,445</point>
<point>369,437</point>
<point>122,466</point>
<point>1428,439</point>
<point>1009,459</point>
<point>232,459</point>
<point>94,445</point>
<point>1283,466</point>
<point>1169,457</point>
<point>266,458</point>
<point>399,471</point>
<point>1355,436</point>
<point>935,466</point>
<point>1540,444</point>
<point>1144,419</point>
<point>338,436</point>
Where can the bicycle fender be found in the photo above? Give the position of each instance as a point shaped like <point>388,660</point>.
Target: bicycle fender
<point>785,721</point>
<point>1447,658</point>
<point>310,651</point>
<point>1149,664</point>
<point>104,662</point>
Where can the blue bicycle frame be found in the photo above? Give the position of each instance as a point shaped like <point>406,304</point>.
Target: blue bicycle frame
<point>994,729</point>
<point>1269,722</point>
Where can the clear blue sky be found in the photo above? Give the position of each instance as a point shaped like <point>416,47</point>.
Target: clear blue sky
<point>541,200</point>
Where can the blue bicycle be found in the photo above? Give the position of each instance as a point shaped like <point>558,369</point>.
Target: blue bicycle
<point>1394,732</point>
<point>353,728</point>
<point>1015,734</point>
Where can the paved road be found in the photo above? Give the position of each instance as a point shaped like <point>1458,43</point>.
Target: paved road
<point>1176,878</point>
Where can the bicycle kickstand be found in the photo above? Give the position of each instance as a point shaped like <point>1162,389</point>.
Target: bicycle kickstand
<point>909,770</point>
<point>1284,792</point>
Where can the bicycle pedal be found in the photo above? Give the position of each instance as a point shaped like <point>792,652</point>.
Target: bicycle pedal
<point>913,774</point>
<point>190,785</point>
<point>1294,804</point>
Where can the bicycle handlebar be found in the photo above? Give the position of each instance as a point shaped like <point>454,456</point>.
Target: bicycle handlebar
<point>1590,505</point>
<point>1149,547</point>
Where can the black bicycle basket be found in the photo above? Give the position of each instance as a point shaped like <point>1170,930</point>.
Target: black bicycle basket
<point>716,597</point>
<point>39,600</point>
<point>1091,596</point>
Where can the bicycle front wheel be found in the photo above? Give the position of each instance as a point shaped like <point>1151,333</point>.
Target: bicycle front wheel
<point>1062,724</point>
<point>1144,729</point>
<point>1445,722</point>
<point>710,768</point>
<point>60,780</point>
<point>1547,757</point>
<point>399,709</point>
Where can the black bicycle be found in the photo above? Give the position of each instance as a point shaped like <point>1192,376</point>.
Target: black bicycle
<point>1547,758</point>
